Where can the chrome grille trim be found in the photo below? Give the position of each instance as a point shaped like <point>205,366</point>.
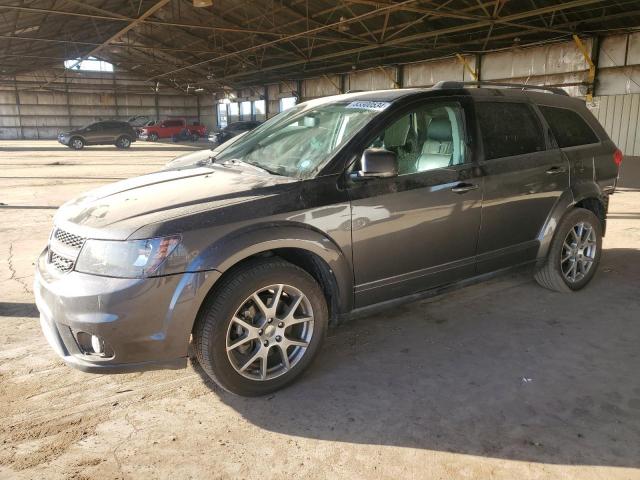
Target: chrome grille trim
<point>68,239</point>
<point>60,263</point>
<point>64,248</point>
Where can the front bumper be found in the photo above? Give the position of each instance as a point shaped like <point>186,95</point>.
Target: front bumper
<point>64,140</point>
<point>146,323</point>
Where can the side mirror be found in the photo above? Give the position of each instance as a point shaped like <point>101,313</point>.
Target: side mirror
<point>377,163</point>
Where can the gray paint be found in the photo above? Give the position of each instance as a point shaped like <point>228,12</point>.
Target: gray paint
<point>379,239</point>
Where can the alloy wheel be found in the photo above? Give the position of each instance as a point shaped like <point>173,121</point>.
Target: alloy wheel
<point>578,252</point>
<point>270,332</point>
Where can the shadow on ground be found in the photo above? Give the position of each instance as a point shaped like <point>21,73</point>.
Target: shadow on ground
<point>503,369</point>
<point>18,309</point>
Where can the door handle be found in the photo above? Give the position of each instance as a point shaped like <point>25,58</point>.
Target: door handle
<point>555,170</point>
<point>464,187</point>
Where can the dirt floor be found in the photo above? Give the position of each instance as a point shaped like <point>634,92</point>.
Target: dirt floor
<point>502,380</point>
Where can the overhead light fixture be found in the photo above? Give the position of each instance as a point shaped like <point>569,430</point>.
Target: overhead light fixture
<point>343,27</point>
<point>199,89</point>
<point>202,3</point>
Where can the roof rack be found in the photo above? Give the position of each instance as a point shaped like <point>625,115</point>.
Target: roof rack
<point>452,85</point>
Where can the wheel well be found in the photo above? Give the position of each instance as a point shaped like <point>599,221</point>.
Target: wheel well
<point>597,207</point>
<point>304,259</point>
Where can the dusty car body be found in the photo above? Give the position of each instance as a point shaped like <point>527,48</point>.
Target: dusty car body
<point>430,187</point>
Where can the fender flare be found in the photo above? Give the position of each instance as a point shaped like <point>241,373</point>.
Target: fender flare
<point>235,247</point>
<point>579,191</point>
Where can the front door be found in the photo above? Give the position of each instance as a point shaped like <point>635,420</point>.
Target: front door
<point>419,229</point>
<point>524,177</point>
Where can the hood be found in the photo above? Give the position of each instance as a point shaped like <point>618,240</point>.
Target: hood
<point>117,210</point>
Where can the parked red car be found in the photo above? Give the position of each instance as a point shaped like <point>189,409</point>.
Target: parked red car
<point>170,128</point>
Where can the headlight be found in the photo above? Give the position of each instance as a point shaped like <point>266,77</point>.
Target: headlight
<point>128,259</point>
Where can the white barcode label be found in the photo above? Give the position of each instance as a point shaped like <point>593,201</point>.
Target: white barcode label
<point>366,105</point>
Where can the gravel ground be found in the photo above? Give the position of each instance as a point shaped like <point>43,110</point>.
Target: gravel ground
<point>499,380</point>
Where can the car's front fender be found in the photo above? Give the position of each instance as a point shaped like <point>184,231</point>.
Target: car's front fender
<point>237,246</point>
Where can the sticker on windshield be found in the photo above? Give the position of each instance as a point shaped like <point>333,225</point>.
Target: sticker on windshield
<point>366,105</point>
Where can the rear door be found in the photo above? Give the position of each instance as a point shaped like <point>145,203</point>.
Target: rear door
<point>95,133</point>
<point>110,130</point>
<point>525,174</point>
<point>590,157</point>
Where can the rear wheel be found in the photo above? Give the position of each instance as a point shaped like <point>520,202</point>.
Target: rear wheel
<point>76,143</point>
<point>123,142</point>
<point>262,328</point>
<point>574,253</point>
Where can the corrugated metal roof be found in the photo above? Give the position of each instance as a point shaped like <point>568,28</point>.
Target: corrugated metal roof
<point>242,42</point>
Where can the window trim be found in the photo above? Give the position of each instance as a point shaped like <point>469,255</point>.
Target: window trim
<point>482,156</point>
<point>550,130</point>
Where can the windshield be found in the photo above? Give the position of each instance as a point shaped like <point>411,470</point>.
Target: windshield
<point>298,142</point>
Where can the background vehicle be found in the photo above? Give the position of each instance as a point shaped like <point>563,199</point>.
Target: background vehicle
<point>139,120</point>
<point>339,204</point>
<point>169,128</point>
<point>233,129</point>
<point>108,132</point>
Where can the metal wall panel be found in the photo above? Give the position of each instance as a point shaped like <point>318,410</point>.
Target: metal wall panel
<point>619,115</point>
<point>633,52</point>
<point>534,61</point>
<point>612,51</point>
<point>614,81</point>
<point>374,79</point>
<point>321,86</point>
<point>425,74</point>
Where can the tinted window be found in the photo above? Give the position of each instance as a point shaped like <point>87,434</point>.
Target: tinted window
<point>173,123</point>
<point>509,129</point>
<point>568,127</point>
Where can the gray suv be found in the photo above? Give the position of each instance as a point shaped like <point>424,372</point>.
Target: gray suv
<point>107,132</point>
<point>340,204</point>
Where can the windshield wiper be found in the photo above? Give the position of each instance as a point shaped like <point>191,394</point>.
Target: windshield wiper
<point>257,167</point>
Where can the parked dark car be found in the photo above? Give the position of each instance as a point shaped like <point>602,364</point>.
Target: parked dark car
<point>339,205</point>
<point>231,130</point>
<point>108,132</point>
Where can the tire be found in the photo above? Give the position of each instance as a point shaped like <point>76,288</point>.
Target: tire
<point>123,142</point>
<point>76,143</point>
<point>153,137</point>
<point>217,328</point>
<point>555,274</point>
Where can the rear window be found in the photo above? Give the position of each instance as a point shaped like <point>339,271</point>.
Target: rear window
<point>569,128</point>
<point>509,129</point>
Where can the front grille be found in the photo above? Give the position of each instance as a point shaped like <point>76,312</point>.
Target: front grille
<point>68,239</point>
<point>60,263</point>
<point>64,249</point>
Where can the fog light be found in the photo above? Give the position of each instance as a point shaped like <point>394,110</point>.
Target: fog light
<point>97,344</point>
<point>92,344</point>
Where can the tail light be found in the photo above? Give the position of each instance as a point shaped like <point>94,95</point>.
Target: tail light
<point>617,157</point>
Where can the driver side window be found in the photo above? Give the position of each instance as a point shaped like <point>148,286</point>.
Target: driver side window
<point>426,138</point>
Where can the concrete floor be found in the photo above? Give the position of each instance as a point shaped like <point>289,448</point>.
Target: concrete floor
<point>501,380</point>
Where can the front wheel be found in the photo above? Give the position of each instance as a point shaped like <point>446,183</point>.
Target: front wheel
<point>262,328</point>
<point>76,143</point>
<point>574,253</point>
<point>123,142</point>
<point>153,137</point>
